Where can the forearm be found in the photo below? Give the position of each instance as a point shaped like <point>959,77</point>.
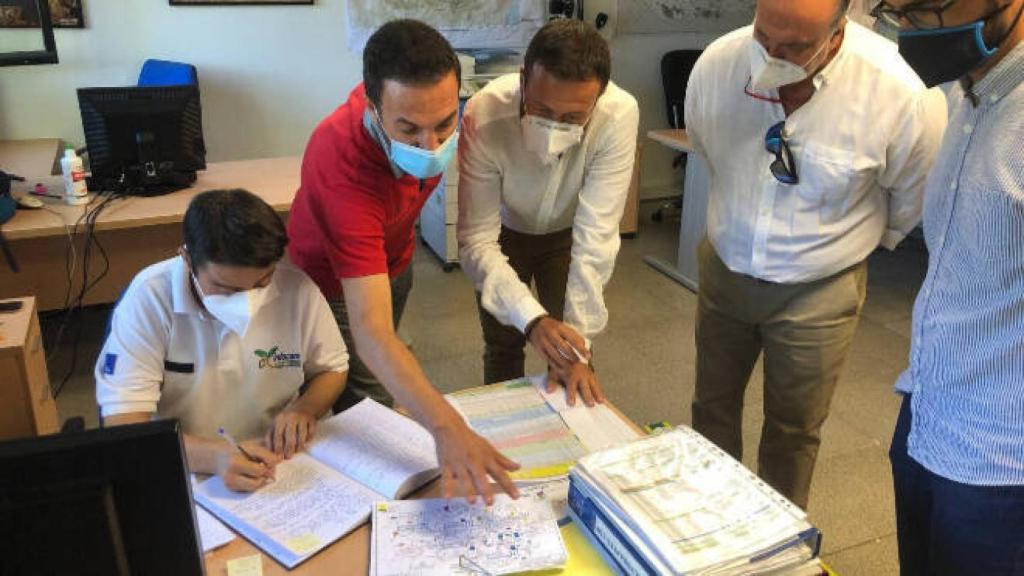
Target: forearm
<point>398,370</point>
<point>203,453</point>
<point>323,390</point>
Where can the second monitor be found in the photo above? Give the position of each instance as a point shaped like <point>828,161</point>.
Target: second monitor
<point>143,141</point>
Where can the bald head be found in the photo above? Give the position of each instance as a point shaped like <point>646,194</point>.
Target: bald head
<point>794,30</point>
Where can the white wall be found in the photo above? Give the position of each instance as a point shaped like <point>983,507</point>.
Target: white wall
<point>636,67</point>
<point>268,74</point>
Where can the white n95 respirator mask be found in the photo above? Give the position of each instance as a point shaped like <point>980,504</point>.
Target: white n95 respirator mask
<point>234,310</point>
<point>770,73</point>
<point>548,138</point>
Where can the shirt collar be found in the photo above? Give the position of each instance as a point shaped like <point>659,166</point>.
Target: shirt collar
<point>1001,80</point>
<point>381,139</point>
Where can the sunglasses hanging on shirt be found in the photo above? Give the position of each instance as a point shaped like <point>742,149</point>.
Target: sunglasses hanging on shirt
<point>783,168</point>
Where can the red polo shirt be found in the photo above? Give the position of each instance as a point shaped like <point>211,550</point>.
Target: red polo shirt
<point>351,217</point>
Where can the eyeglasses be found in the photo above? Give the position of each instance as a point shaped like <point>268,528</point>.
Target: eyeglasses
<point>921,15</point>
<point>783,168</point>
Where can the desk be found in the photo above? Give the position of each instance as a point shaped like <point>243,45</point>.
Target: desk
<point>695,207</point>
<point>349,555</point>
<point>135,231</point>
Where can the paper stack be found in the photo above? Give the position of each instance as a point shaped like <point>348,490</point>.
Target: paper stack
<point>677,504</point>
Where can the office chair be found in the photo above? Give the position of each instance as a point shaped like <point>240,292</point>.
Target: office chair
<point>675,75</point>
<point>166,73</point>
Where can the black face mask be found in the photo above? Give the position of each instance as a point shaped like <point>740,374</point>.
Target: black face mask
<point>945,54</point>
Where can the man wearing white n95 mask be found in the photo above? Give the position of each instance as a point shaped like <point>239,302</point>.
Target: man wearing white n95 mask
<point>224,335</point>
<point>818,137</point>
<point>545,161</point>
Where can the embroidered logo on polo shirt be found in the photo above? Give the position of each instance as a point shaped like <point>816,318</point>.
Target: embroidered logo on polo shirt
<point>275,359</point>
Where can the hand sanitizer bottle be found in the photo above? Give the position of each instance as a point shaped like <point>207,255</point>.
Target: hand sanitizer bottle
<point>74,177</point>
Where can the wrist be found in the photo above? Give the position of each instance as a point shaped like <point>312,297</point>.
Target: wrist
<point>446,423</point>
<point>533,324</point>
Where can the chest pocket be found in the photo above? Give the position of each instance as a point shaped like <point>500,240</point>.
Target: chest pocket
<point>827,180</point>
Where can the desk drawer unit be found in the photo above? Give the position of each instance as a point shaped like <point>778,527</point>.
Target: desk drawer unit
<point>27,407</point>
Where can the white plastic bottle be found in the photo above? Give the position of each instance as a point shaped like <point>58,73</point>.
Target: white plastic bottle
<point>74,177</point>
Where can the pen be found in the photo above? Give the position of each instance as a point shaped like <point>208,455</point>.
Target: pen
<point>582,359</point>
<point>224,434</point>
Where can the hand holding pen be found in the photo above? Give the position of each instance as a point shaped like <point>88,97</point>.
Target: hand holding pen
<point>247,466</point>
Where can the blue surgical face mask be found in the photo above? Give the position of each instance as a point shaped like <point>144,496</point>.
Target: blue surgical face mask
<point>418,162</point>
<point>941,55</point>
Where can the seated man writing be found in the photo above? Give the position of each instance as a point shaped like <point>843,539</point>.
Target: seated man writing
<point>224,336</point>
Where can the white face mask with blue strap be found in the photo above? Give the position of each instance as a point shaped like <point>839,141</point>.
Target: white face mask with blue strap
<point>415,161</point>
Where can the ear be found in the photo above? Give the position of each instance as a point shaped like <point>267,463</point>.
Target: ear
<point>841,28</point>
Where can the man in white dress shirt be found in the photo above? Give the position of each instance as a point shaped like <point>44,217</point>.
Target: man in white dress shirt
<point>818,137</point>
<point>545,162</point>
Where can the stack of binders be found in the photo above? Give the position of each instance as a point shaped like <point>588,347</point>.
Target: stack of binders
<point>675,504</point>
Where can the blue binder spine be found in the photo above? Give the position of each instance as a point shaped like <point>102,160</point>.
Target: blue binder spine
<point>593,521</point>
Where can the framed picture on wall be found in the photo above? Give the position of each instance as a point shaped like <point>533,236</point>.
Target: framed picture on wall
<point>235,2</point>
<point>24,14</point>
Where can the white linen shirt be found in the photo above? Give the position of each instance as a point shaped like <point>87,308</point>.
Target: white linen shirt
<point>503,183</point>
<point>166,355</point>
<point>863,145</point>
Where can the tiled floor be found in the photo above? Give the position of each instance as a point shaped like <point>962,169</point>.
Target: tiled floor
<point>645,360</point>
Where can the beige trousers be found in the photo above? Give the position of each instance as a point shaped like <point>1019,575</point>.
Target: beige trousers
<point>804,330</point>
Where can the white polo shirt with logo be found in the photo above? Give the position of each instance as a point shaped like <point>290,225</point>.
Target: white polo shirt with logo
<point>167,355</point>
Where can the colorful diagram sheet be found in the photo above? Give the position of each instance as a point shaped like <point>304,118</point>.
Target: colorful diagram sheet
<point>515,417</point>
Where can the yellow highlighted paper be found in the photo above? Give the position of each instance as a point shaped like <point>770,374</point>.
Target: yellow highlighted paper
<point>246,566</point>
<point>303,544</point>
<point>542,473</point>
<point>583,557</point>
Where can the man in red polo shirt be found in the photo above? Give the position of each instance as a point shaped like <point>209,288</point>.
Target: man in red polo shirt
<point>367,171</point>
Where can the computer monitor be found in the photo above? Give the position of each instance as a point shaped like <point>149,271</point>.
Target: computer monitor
<point>111,501</point>
<point>143,141</point>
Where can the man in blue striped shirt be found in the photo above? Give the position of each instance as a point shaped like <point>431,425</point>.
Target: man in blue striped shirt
<point>958,449</point>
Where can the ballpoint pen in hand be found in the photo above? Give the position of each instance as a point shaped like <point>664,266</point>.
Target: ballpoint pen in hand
<point>227,437</point>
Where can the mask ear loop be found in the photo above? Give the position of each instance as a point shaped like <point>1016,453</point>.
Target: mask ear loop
<point>197,290</point>
<point>997,45</point>
<point>380,126</point>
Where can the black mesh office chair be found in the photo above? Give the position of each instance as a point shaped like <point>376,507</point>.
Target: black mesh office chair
<point>675,75</point>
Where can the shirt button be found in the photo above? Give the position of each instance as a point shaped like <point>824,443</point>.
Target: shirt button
<point>952,185</point>
<point>968,128</point>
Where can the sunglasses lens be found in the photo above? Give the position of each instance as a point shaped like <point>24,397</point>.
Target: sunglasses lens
<point>783,173</point>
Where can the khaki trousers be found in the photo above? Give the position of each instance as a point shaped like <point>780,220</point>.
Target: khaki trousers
<point>804,330</point>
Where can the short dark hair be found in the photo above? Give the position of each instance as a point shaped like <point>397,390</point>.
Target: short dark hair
<point>233,227</point>
<point>409,52</point>
<point>570,50</point>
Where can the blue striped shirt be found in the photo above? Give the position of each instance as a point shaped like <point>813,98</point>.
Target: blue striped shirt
<point>966,369</point>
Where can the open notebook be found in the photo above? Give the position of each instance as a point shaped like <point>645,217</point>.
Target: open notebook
<point>364,455</point>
